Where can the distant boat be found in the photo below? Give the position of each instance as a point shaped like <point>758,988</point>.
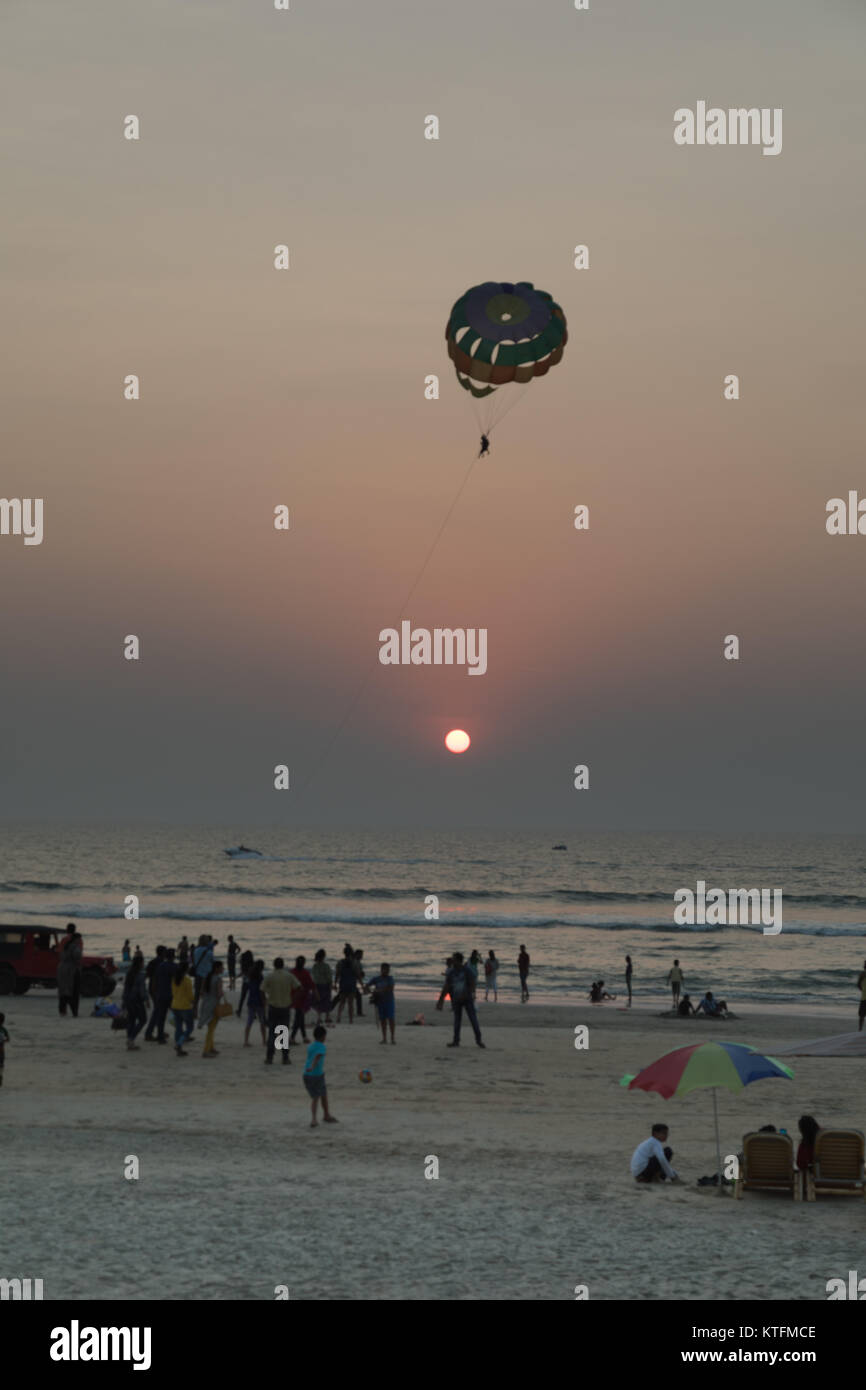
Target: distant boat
<point>241,852</point>
<point>559,846</point>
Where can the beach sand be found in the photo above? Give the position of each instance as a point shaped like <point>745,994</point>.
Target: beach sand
<point>237,1195</point>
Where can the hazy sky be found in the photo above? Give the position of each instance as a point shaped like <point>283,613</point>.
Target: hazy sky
<point>306,388</point>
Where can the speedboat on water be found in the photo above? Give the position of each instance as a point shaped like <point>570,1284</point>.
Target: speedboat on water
<point>242,852</point>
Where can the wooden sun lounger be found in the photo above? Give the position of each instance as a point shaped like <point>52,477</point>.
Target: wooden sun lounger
<point>838,1167</point>
<point>768,1165</point>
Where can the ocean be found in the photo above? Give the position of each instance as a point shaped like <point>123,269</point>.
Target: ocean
<point>579,911</point>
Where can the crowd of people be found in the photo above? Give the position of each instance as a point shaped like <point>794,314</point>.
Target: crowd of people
<point>190,981</point>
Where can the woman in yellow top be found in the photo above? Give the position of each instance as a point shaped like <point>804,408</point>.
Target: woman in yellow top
<point>211,994</point>
<point>182,1004</point>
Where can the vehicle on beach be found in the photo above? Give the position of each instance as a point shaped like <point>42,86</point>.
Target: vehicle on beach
<point>29,955</point>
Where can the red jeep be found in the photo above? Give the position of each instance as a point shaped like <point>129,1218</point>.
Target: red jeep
<point>28,956</point>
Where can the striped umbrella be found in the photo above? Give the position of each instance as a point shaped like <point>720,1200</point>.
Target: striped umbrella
<point>713,1064</point>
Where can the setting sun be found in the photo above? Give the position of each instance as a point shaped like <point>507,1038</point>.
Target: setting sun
<point>457,741</point>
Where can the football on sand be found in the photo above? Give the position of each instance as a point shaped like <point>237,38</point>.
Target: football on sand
<point>365,1075</point>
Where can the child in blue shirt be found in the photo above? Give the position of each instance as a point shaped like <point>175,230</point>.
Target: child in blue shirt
<point>314,1076</point>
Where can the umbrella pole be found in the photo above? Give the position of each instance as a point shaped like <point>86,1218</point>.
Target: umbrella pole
<point>718,1142</point>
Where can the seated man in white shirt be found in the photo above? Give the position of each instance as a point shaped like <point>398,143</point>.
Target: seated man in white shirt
<point>650,1160</point>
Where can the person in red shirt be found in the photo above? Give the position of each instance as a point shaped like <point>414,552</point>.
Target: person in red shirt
<point>806,1152</point>
<point>302,998</point>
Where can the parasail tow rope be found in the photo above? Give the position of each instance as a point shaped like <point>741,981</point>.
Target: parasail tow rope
<point>355,700</point>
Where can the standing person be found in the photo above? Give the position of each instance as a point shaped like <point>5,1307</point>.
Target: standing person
<point>278,989</point>
<point>247,962</point>
<point>628,979</point>
<point>126,953</point>
<point>4,1038</point>
<point>676,981</point>
<point>323,979</point>
<point>449,961</point>
<point>202,964</point>
<point>163,981</point>
<point>150,972</point>
<point>183,950</point>
<point>347,983</point>
<point>808,1127</point>
<point>69,973</point>
<point>209,999</point>
<point>861,984</point>
<point>255,1001</point>
<point>357,962</point>
<point>491,971</point>
<point>232,950</point>
<point>181,1003</point>
<point>314,1076</point>
<point>523,970</point>
<point>302,999</point>
<point>382,986</point>
<point>135,1001</point>
<point>460,984</point>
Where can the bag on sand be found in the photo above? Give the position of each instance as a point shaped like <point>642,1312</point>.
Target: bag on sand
<point>223,1009</point>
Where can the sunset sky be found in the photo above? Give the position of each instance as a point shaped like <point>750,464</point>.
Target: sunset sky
<point>307,388</point>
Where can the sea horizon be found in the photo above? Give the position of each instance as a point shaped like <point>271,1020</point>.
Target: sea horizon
<point>579,910</point>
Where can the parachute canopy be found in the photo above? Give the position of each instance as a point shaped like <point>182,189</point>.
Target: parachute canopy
<point>500,334</point>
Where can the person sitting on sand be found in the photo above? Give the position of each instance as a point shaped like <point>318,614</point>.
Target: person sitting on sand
<point>598,992</point>
<point>685,1007</point>
<point>808,1127</point>
<point>650,1161</point>
<point>713,1008</point>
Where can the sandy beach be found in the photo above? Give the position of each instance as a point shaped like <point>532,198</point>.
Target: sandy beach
<point>237,1195</point>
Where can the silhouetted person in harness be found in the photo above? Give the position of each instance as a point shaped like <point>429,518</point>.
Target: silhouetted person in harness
<point>485,446</point>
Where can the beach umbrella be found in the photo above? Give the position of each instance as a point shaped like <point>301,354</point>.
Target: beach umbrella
<point>713,1064</point>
